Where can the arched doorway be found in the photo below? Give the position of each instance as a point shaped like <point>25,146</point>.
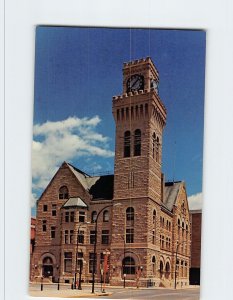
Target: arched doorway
<point>128,264</point>
<point>47,268</point>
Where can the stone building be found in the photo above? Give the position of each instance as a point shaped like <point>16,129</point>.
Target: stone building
<point>195,267</point>
<point>143,230</point>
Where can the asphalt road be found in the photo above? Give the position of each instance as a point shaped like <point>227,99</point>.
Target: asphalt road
<point>159,294</point>
<point>116,293</point>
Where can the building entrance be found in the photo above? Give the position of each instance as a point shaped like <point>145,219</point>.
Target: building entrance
<point>47,270</point>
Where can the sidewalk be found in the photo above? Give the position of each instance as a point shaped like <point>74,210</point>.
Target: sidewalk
<point>67,294</point>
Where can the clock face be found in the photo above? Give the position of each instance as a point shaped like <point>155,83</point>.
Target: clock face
<point>135,83</point>
<point>154,85</point>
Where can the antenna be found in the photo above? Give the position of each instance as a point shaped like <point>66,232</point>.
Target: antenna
<point>174,161</point>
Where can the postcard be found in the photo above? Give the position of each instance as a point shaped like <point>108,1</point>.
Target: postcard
<point>117,162</point>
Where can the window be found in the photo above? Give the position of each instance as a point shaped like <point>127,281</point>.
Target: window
<point>141,110</point>
<point>161,268</point>
<point>127,144</point>
<point>167,270</point>
<point>54,210</point>
<point>105,216</point>
<point>129,235</point>
<point>153,236</point>
<point>130,214</point>
<point>153,265</point>
<point>82,216</point>
<point>105,237</point>
<point>132,112</point>
<point>71,236</point>
<point>67,216</point>
<point>53,232</point>
<point>128,265</point>
<point>127,113</point>
<point>118,115</point>
<point>182,268</point>
<point>92,237</point>
<point>154,217</point>
<point>63,193</point>
<point>68,262</point>
<point>81,237</point>
<point>136,109</point>
<point>79,259</point>
<point>45,207</point>
<point>72,216</point>
<point>157,149</point>
<point>93,216</point>
<point>137,142</point>
<point>66,236</point>
<point>162,242</point>
<point>44,225</point>
<point>153,144</point>
<point>122,113</point>
<point>91,262</point>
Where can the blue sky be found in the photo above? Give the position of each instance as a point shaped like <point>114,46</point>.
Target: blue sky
<point>79,70</point>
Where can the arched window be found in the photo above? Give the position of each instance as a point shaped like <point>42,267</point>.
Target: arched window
<point>63,193</point>
<point>106,216</point>
<point>161,268</point>
<point>137,142</point>
<point>153,265</point>
<point>130,214</point>
<point>127,144</point>
<point>157,149</point>
<point>93,216</point>
<point>128,265</point>
<point>154,217</point>
<point>167,270</point>
<point>153,144</point>
<point>178,222</point>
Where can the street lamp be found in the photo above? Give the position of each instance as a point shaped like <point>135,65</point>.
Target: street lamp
<point>123,262</point>
<point>95,243</point>
<point>80,273</point>
<point>106,253</point>
<point>76,253</point>
<point>177,247</point>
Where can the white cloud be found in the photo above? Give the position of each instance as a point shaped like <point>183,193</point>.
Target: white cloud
<point>55,142</point>
<point>195,202</point>
<point>33,199</point>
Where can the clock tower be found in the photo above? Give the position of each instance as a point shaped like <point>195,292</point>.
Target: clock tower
<point>140,117</point>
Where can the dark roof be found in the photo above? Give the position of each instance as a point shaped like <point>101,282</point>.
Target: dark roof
<point>102,188</point>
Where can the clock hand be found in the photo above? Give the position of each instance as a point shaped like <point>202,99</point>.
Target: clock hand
<point>135,83</point>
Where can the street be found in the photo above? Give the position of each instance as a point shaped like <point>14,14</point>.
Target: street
<point>50,290</point>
